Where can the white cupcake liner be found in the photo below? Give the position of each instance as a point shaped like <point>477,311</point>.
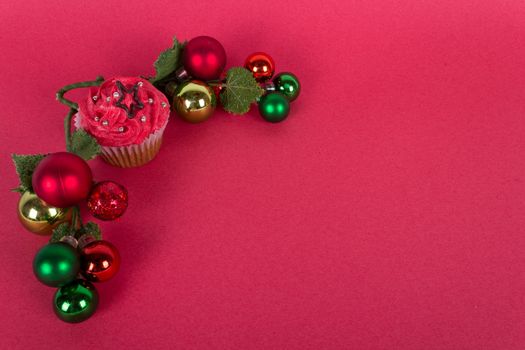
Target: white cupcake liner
<point>132,155</point>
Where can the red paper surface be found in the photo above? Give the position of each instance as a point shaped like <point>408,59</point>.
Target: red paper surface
<point>387,212</point>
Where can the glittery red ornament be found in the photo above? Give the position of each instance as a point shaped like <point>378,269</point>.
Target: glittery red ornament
<point>62,179</point>
<point>204,58</point>
<point>108,200</point>
<point>99,261</point>
<point>261,65</point>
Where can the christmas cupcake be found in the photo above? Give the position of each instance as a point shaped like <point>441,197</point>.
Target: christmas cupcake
<point>127,116</point>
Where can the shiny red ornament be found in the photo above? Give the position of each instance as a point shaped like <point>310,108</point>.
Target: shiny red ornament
<point>62,179</point>
<point>108,200</point>
<point>204,58</point>
<point>261,65</point>
<point>99,261</point>
<point>217,89</point>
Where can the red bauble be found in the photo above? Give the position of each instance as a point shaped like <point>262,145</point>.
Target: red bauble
<point>204,58</point>
<point>217,89</point>
<point>62,179</point>
<point>261,65</point>
<point>99,261</point>
<point>108,200</point>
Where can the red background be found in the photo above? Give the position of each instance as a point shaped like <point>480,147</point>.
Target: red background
<point>387,212</point>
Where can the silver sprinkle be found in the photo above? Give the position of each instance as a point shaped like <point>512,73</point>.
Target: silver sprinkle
<point>150,100</point>
<point>140,83</point>
<point>121,129</point>
<point>108,99</point>
<point>95,98</point>
<point>97,118</point>
<point>143,118</point>
<point>164,104</point>
<point>105,123</point>
<point>116,94</point>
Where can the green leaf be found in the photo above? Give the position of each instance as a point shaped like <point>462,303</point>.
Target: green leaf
<point>25,166</point>
<point>92,229</point>
<point>84,145</point>
<point>240,91</point>
<point>168,61</point>
<point>60,232</point>
<point>65,229</point>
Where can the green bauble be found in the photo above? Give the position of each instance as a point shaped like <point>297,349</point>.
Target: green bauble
<point>76,301</point>
<point>56,264</point>
<point>288,85</point>
<point>274,107</point>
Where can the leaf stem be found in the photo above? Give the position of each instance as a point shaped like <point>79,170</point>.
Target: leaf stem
<point>76,220</point>
<point>74,214</point>
<point>71,104</point>
<point>67,128</point>
<point>79,217</point>
<point>218,82</point>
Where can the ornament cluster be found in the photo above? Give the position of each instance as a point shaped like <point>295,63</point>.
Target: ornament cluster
<point>54,186</point>
<point>274,105</point>
<point>76,255</point>
<point>198,82</point>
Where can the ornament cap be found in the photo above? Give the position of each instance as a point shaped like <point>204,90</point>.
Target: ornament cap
<point>182,74</point>
<point>268,86</point>
<point>85,240</point>
<point>72,241</point>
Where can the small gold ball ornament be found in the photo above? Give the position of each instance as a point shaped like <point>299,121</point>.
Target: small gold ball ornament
<point>39,217</point>
<point>194,101</point>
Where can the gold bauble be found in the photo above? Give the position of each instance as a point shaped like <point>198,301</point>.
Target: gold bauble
<point>39,217</point>
<point>194,101</point>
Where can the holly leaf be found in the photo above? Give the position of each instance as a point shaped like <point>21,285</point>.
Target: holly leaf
<point>168,61</point>
<point>91,229</point>
<point>60,232</point>
<point>84,145</point>
<point>25,166</point>
<point>240,91</point>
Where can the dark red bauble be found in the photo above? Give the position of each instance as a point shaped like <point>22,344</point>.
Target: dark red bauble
<point>261,65</point>
<point>62,179</point>
<point>108,200</point>
<point>204,58</point>
<point>99,261</point>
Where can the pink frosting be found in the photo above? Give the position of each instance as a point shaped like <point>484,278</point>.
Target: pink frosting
<point>123,111</point>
